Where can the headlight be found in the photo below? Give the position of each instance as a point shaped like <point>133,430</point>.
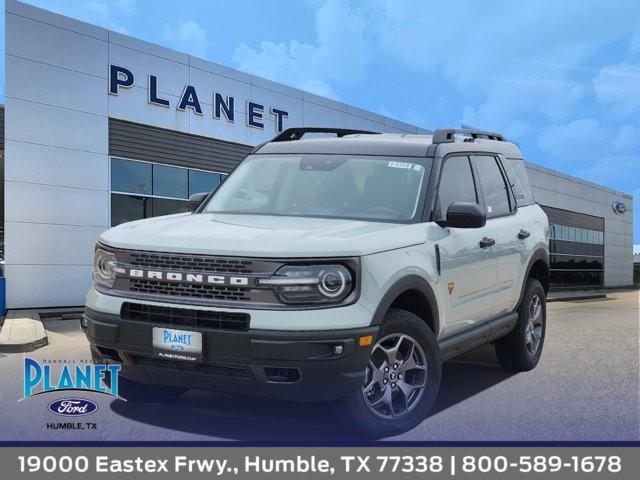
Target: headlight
<point>304,284</point>
<point>104,263</point>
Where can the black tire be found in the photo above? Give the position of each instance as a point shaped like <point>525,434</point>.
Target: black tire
<point>136,392</point>
<point>354,411</point>
<point>514,351</point>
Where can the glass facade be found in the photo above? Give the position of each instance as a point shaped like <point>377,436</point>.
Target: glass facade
<point>577,256</point>
<point>128,176</point>
<point>170,181</point>
<point>143,189</point>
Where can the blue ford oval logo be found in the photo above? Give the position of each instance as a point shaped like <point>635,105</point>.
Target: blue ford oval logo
<point>72,407</point>
<point>175,346</point>
<point>619,208</point>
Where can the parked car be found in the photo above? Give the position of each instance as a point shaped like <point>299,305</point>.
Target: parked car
<point>332,265</point>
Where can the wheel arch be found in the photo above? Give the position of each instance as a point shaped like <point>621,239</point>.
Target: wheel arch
<point>414,294</point>
<point>538,267</point>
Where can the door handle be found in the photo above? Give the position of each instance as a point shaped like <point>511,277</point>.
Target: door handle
<point>522,234</point>
<point>487,242</point>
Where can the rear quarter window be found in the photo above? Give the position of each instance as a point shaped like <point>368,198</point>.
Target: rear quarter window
<point>494,188</point>
<point>519,180</point>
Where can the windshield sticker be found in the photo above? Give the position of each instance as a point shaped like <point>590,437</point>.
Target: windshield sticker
<point>400,165</point>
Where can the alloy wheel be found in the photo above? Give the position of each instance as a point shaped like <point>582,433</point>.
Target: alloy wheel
<point>533,331</point>
<point>396,376</point>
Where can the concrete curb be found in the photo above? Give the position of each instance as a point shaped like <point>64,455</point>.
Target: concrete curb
<point>569,298</point>
<point>22,331</point>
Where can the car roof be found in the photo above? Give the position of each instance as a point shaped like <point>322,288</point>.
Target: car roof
<point>404,145</point>
<point>385,144</point>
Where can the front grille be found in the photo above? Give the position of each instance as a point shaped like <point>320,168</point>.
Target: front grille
<point>224,293</point>
<point>221,370</point>
<point>186,317</point>
<point>191,263</point>
<point>206,280</point>
<point>192,290</point>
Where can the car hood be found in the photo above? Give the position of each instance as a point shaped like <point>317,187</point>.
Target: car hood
<point>262,236</point>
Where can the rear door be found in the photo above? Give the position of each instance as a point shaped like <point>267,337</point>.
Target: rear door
<point>468,271</point>
<point>507,227</point>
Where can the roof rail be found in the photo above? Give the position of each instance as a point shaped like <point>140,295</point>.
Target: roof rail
<point>447,135</point>
<point>297,133</point>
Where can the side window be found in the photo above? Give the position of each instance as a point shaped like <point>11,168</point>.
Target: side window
<point>493,186</point>
<point>456,184</point>
<point>517,174</point>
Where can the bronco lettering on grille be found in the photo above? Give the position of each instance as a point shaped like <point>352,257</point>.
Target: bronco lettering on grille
<point>188,277</point>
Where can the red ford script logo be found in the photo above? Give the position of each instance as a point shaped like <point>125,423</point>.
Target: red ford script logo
<point>73,407</point>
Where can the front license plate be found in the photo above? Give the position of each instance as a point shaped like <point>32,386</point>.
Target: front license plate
<point>173,344</point>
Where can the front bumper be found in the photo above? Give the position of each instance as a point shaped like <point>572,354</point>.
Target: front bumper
<point>239,362</point>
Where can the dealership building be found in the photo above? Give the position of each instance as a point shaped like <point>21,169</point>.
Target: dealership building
<point>101,128</point>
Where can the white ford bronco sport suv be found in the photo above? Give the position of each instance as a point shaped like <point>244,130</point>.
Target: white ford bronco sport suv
<point>342,268</point>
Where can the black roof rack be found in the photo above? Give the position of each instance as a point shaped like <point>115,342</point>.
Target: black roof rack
<point>297,133</point>
<point>447,135</point>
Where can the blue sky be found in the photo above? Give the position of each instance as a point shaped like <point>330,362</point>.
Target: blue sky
<point>560,78</point>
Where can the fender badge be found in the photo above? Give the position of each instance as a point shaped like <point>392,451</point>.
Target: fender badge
<point>451,285</point>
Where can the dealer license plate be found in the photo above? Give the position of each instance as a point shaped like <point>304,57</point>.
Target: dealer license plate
<point>171,344</point>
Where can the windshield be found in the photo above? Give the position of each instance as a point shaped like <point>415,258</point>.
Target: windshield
<point>329,186</point>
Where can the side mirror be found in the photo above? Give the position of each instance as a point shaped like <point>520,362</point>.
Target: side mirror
<point>195,200</point>
<point>465,215</point>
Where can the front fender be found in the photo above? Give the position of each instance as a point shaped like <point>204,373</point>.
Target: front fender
<point>389,274</point>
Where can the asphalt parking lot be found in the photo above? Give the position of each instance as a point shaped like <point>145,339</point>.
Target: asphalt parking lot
<point>586,387</point>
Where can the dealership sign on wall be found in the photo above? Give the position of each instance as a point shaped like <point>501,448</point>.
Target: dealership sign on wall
<point>619,208</point>
<point>223,105</point>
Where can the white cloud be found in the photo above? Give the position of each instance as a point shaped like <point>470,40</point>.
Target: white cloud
<point>508,60</point>
<point>606,171</point>
<point>107,9</point>
<point>634,45</point>
<point>627,138</point>
<point>575,142</point>
<point>341,53</point>
<point>587,141</point>
<point>111,14</point>
<point>619,87</point>
<point>187,36</point>
<point>293,64</point>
